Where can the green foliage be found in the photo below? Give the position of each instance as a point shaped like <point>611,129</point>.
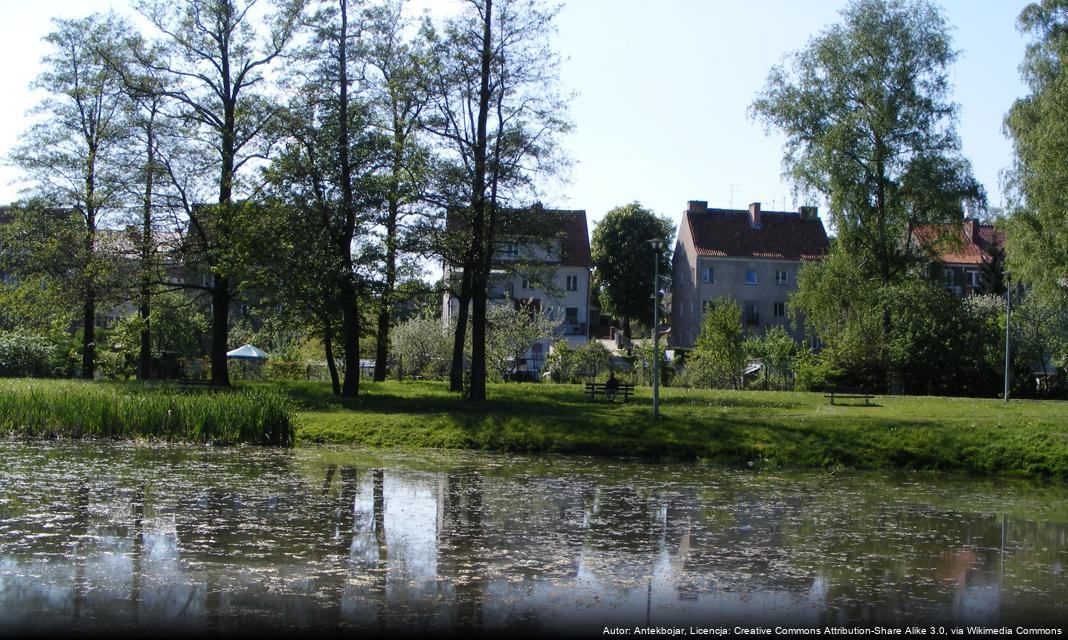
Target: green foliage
<point>25,354</point>
<point>95,410</point>
<point>842,308</point>
<point>1040,344</point>
<point>1037,230</point>
<point>511,331</point>
<point>776,350</point>
<point>591,360</point>
<point>936,345</point>
<point>422,347</point>
<point>868,123</point>
<point>623,260</point>
<point>719,355</point>
<point>36,302</point>
<point>560,363</point>
<point>642,365</point>
<point>815,372</point>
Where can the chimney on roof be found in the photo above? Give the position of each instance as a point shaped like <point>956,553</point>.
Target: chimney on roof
<point>697,206</point>
<point>754,214</point>
<point>808,213</point>
<point>971,229</point>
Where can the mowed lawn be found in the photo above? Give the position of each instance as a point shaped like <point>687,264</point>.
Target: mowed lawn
<point>750,428</point>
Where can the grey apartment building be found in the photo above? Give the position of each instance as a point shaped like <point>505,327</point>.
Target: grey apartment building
<point>748,255</point>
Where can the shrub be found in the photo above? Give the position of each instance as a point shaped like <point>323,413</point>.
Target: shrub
<point>26,354</point>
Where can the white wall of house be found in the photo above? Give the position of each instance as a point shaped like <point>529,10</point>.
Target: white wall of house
<point>565,297</point>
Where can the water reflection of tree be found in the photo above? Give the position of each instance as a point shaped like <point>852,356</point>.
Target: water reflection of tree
<point>461,546</point>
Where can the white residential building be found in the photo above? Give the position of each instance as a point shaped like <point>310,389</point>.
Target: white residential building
<point>543,261</point>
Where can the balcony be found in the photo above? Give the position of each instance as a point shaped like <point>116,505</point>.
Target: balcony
<point>571,329</point>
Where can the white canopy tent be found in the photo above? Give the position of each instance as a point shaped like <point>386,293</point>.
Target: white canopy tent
<point>247,352</point>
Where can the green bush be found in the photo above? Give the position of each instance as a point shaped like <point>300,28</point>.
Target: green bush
<point>814,373</point>
<point>26,354</point>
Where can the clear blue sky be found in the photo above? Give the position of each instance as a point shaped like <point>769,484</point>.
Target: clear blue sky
<point>663,89</point>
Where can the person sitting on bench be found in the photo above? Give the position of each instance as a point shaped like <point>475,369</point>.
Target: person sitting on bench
<point>611,388</point>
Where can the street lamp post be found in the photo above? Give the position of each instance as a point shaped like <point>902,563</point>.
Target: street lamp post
<point>657,244</point>
<point>1008,314</point>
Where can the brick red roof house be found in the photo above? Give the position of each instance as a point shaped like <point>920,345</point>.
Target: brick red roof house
<point>749,255</point>
<point>962,250</point>
<point>787,235</point>
<point>972,243</point>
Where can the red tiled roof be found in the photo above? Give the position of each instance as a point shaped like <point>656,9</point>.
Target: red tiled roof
<point>953,244</point>
<point>781,234</point>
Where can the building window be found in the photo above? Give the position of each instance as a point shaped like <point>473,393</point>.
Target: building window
<point>708,274</point>
<point>781,277</point>
<point>572,283</point>
<point>526,282</point>
<point>511,248</point>
<point>571,315</point>
<point>780,310</point>
<point>947,276</point>
<point>973,278</point>
<point>750,276</point>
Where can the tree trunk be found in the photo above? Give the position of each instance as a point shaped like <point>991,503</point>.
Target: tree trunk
<point>89,335</point>
<point>144,369</point>
<point>456,372</point>
<point>386,311</point>
<point>331,365</point>
<point>481,251</point>
<point>478,342</point>
<point>350,335</point>
<point>220,330</point>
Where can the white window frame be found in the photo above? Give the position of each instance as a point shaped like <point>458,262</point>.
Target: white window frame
<point>571,283</point>
<point>708,275</point>
<point>782,277</point>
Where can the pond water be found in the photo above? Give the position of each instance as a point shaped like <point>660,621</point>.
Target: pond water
<point>98,537</point>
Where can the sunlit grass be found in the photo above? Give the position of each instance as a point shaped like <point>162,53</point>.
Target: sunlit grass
<point>762,429</point>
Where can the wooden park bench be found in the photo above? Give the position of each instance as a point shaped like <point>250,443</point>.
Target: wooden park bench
<point>624,390</point>
<point>193,382</point>
<point>850,394</point>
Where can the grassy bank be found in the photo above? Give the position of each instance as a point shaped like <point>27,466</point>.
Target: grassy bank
<point>765,429</point>
<point>758,429</point>
<point>73,409</point>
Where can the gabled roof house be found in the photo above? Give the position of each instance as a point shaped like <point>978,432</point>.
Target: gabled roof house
<point>749,255</point>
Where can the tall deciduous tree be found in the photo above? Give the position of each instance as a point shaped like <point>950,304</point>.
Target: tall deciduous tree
<point>496,114</point>
<point>213,63</point>
<point>72,153</point>
<point>1037,239</point>
<point>623,261</point>
<point>399,92</point>
<point>324,177</point>
<point>869,124</point>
